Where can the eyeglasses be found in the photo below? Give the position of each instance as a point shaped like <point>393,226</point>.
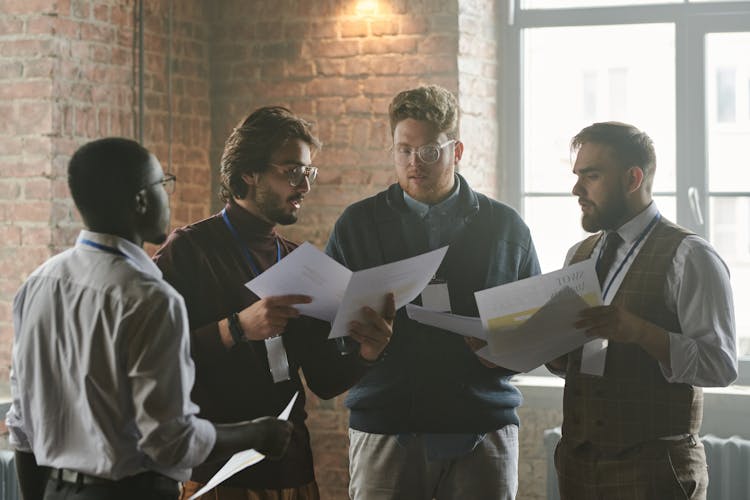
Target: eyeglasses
<point>298,174</point>
<point>427,154</point>
<point>168,181</point>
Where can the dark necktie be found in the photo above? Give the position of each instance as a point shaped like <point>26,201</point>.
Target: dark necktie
<point>611,244</point>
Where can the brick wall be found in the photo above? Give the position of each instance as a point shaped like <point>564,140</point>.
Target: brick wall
<point>68,75</point>
<point>340,70</point>
<point>68,70</point>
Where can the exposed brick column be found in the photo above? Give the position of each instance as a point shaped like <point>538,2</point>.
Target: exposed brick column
<point>477,92</point>
<point>28,57</point>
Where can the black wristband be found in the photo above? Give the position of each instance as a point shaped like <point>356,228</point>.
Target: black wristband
<point>235,330</point>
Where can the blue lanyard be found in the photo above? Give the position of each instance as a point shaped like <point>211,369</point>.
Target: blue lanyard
<point>628,255</point>
<point>103,248</point>
<point>243,247</point>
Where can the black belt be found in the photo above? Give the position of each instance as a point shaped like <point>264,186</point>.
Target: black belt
<point>150,480</point>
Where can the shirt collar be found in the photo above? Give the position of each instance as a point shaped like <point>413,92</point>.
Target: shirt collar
<point>445,206</point>
<point>632,229</point>
<point>133,252</point>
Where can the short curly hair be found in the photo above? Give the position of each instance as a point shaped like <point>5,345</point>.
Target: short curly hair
<point>430,103</point>
<point>251,144</point>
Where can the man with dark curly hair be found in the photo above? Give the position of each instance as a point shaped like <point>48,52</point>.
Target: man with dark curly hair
<point>248,351</point>
<point>431,419</point>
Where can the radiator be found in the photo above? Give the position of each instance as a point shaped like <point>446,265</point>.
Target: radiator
<point>728,466</point>
<point>8,481</point>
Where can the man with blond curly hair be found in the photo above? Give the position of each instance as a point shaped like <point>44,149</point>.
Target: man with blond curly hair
<point>431,419</point>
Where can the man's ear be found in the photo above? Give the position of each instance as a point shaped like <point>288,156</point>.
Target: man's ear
<point>141,202</point>
<point>634,178</point>
<point>458,151</point>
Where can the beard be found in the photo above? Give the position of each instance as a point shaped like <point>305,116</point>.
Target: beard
<point>608,215</point>
<point>273,208</point>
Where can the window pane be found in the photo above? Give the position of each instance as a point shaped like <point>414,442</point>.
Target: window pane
<point>728,111</point>
<point>667,206</point>
<point>555,224</point>
<point>562,4</point>
<point>730,235</point>
<point>566,89</point>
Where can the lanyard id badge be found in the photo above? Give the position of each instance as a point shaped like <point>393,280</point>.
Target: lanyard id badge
<point>435,296</point>
<point>278,363</point>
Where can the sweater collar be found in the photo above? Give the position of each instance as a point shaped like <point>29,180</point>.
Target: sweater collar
<point>248,225</point>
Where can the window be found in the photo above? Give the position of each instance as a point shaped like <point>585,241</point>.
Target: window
<point>677,69</point>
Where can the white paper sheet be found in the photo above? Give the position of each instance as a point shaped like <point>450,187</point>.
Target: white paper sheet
<point>368,287</point>
<point>530,322</point>
<point>307,271</point>
<point>466,326</point>
<point>241,460</point>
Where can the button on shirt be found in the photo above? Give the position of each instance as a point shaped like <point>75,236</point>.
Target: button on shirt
<point>699,291</point>
<point>102,373</point>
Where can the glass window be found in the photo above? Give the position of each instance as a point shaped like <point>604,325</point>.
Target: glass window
<point>605,61</point>
<point>564,4</point>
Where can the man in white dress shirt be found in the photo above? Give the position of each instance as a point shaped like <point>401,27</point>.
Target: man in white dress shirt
<point>102,373</point>
<point>666,329</point>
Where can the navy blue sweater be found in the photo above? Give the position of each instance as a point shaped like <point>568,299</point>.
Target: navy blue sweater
<point>429,381</point>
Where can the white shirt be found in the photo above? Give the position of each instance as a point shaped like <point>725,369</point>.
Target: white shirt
<point>699,292</point>
<point>102,373</point>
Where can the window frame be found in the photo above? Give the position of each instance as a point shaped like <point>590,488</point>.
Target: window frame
<point>692,22</point>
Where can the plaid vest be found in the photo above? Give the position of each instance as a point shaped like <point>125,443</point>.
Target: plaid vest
<point>632,402</point>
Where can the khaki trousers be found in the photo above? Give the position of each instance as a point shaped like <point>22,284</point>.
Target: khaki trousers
<point>382,469</point>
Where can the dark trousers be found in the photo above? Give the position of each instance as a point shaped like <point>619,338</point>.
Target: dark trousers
<point>140,487</point>
<point>655,470</point>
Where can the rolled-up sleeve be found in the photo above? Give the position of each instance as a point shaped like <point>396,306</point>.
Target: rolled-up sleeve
<point>705,353</point>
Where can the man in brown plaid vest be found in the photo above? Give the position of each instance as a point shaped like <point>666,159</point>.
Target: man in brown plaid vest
<point>633,401</point>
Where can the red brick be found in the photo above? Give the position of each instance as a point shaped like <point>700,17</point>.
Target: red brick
<point>32,117</point>
<point>354,28</point>
<point>9,190</point>
<point>41,25</point>
<point>8,24</point>
<point>388,26</point>
<point>26,7</point>
<point>37,189</point>
<point>35,68</point>
<point>25,89</point>
<point>359,104</point>
<point>438,44</point>
<point>389,45</point>
<point>30,211</point>
<point>331,67</point>
<point>18,263</point>
<point>36,236</point>
<point>333,87</point>
<point>337,48</point>
<point>27,48</point>
<point>6,315</point>
<point>101,13</point>
<point>414,25</point>
<point>81,8</point>
<point>10,235</point>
